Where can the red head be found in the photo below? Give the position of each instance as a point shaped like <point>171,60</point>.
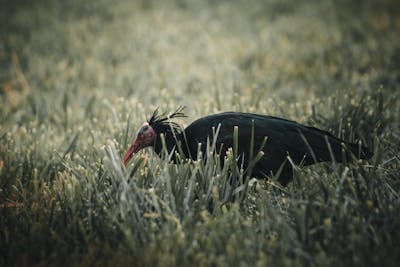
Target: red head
<point>144,138</point>
<point>147,134</point>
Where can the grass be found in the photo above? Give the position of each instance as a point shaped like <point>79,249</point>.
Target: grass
<point>78,78</point>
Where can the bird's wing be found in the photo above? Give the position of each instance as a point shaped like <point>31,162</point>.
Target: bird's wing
<point>284,137</point>
<point>270,140</point>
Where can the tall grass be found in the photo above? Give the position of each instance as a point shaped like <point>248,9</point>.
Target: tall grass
<point>78,81</point>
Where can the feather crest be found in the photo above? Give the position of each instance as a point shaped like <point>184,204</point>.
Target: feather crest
<point>162,122</point>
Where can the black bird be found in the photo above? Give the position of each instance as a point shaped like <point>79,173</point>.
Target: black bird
<point>277,138</point>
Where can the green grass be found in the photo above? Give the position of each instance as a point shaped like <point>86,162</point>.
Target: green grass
<point>78,78</point>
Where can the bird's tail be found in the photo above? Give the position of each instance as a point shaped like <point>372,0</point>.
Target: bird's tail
<point>317,140</point>
<point>360,151</point>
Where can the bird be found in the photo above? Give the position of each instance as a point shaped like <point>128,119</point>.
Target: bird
<point>282,142</point>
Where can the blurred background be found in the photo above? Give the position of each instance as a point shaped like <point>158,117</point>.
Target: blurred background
<point>91,66</point>
<point>207,55</point>
<point>78,63</point>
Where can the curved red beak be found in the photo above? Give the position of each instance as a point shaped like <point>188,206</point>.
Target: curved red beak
<point>133,149</point>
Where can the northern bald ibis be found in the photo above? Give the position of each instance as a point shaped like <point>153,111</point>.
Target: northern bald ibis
<point>284,138</point>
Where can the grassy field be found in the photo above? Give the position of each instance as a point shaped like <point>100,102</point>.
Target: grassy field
<point>77,78</point>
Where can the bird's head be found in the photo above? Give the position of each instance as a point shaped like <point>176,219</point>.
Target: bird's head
<point>145,137</point>
<point>150,131</point>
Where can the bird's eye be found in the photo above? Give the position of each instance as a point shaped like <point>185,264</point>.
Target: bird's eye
<point>142,130</point>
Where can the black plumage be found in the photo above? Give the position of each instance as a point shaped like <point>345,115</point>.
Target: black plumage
<point>284,138</point>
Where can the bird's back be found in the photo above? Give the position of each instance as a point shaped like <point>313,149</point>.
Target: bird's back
<point>284,138</point>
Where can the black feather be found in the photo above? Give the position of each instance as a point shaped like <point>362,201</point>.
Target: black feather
<point>161,123</point>
<point>303,144</point>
